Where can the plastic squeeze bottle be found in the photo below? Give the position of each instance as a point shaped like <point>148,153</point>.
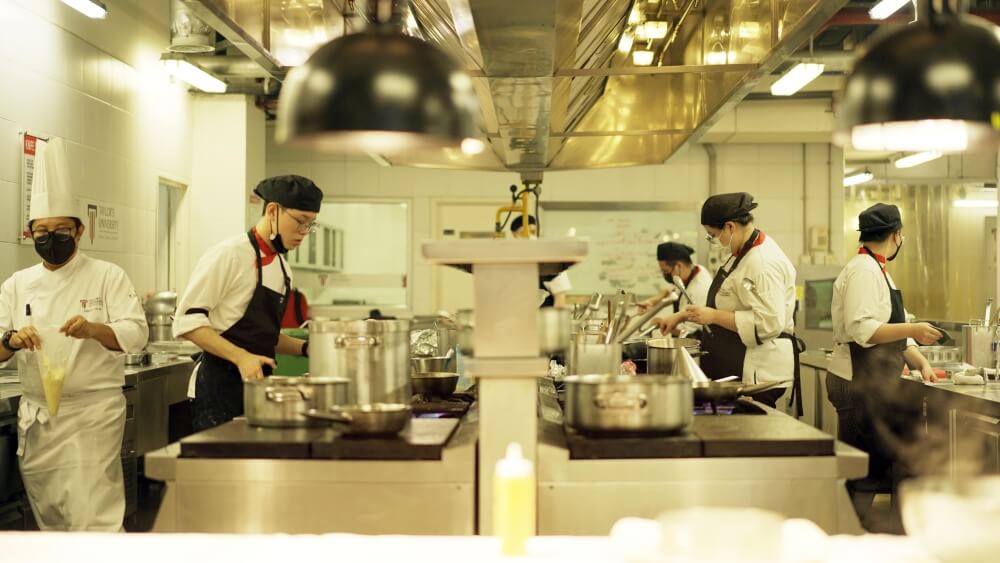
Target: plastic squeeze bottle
<point>513,501</point>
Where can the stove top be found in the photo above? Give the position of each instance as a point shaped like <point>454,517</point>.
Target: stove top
<point>725,409</point>
<point>454,406</point>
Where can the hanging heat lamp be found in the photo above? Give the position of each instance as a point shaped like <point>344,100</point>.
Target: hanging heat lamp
<point>933,85</point>
<point>379,91</point>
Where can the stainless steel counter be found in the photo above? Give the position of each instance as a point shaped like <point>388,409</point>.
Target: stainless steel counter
<point>311,496</point>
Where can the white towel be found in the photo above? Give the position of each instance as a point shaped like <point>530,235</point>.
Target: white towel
<point>691,368</point>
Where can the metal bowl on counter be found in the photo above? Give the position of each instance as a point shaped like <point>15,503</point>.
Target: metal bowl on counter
<point>434,384</point>
<point>279,401</point>
<point>433,364</point>
<point>137,360</point>
<point>646,404</point>
<point>938,355</point>
<point>377,419</point>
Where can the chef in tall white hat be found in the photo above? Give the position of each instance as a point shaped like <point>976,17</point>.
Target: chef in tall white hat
<point>67,320</point>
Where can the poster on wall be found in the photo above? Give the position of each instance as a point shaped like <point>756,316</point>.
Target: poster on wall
<point>102,224</point>
<point>29,147</point>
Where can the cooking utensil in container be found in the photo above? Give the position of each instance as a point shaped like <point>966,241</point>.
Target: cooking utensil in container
<point>376,419</point>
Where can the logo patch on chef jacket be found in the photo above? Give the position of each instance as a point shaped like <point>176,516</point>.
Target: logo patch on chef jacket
<point>724,293</point>
<point>93,304</point>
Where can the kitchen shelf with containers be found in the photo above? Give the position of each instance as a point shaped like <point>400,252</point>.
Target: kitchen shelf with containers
<point>322,251</point>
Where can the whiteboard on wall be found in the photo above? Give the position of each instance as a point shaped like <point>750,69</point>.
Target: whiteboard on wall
<point>622,240</point>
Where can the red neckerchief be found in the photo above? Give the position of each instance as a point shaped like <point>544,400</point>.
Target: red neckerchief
<point>267,254</point>
<point>694,272</point>
<point>878,257</point>
<point>756,243</point>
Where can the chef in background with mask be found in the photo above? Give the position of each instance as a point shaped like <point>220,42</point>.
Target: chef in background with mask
<point>236,298</point>
<point>751,302</point>
<point>70,455</point>
<point>675,260</point>
<point>872,343</point>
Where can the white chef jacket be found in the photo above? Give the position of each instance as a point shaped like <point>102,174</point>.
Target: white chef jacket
<point>223,283</point>
<point>697,288</point>
<point>761,291</point>
<point>71,462</point>
<point>98,290</point>
<point>861,304</point>
<point>559,284</point>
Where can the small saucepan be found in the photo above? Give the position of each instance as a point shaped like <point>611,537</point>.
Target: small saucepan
<point>434,384</point>
<point>376,419</point>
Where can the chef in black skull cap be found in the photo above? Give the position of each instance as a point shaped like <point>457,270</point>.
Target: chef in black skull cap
<point>750,306</point>
<point>872,341</point>
<point>236,297</point>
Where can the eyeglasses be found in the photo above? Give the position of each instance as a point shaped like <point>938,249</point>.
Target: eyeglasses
<point>304,227</point>
<point>43,236</point>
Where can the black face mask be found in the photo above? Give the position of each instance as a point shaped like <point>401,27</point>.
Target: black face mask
<point>55,249</point>
<point>279,245</point>
<point>894,254</point>
<point>669,278</point>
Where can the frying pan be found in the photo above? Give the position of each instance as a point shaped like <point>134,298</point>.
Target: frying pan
<point>727,391</point>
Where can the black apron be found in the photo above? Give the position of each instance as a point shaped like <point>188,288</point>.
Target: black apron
<point>726,352</point>
<point>219,386</point>
<point>880,414</point>
<point>550,300</point>
<point>687,283</point>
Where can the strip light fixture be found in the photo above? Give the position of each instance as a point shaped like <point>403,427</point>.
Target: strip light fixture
<point>796,78</point>
<point>91,8</point>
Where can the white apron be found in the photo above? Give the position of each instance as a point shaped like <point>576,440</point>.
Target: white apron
<point>71,464</point>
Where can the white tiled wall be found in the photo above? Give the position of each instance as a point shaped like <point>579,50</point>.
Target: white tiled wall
<point>99,85</point>
<point>773,173</point>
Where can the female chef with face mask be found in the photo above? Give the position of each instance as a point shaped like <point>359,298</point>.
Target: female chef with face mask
<point>872,340</point>
<point>751,302</point>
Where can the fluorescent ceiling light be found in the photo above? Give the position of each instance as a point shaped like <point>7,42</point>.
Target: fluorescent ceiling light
<point>90,8</point>
<point>635,16</point>
<point>656,29</point>
<point>943,135</point>
<point>916,159</point>
<point>795,78</point>
<point>886,8</point>
<point>625,43</point>
<point>858,178</point>
<point>976,203</point>
<point>642,57</point>
<point>194,76</point>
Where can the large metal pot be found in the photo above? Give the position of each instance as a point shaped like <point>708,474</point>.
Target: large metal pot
<point>373,355</point>
<point>647,404</point>
<point>663,354</point>
<point>283,401</point>
<point>977,349</point>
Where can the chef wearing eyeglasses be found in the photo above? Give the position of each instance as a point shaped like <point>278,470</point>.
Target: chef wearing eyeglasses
<point>235,300</point>
<point>750,306</point>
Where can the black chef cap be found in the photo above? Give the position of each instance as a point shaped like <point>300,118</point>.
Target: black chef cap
<point>673,251</point>
<point>291,192</point>
<point>726,207</point>
<point>518,222</point>
<point>879,221</point>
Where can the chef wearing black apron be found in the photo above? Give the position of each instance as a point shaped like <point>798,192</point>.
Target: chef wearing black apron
<point>552,289</point>
<point>876,412</point>
<point>750,304</point>
<point>674,259</point>
<point>235,300</point>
